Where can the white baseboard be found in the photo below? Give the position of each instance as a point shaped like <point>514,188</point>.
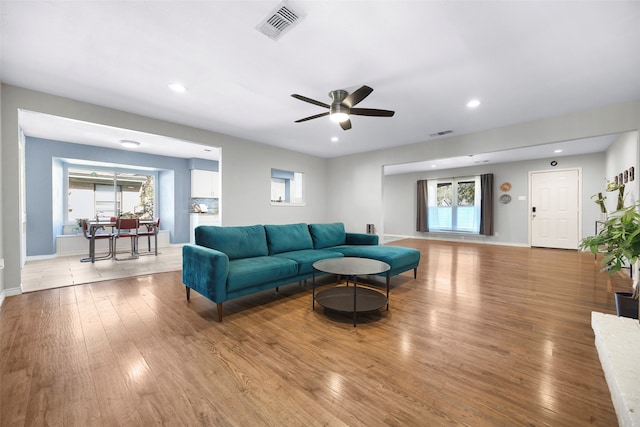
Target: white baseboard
<point>41,257</point>
<point>9,293</point>
<point>474,238</point>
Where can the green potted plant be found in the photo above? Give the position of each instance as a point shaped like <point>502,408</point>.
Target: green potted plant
<point>619,241</point>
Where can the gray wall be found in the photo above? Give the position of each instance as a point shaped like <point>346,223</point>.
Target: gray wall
<point>511,221</point>
<point>619,158</point>
<point>355,181</point>
<point>2,286</point>
<point>245,168</point>
<point>347,189</point>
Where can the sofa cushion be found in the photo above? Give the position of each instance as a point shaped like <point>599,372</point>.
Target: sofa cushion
<point>395,256</point>
<point>236,242</point>
<point>290,237</point>
<point>250,272</point>
<point>361,239</point>
<point>327,235</point>
<point>305,258</point>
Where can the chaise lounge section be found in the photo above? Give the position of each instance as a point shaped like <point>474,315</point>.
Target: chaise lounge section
<point>230,262</point>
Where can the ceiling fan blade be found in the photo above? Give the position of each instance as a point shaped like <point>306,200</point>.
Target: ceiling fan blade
<point>310,101</point>
<point>357,96</point>
<point>371,112</point>
<point>346,125</point>
<point>313,117</point>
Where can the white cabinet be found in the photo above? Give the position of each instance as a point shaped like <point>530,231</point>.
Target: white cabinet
<point>201,219</point>
<point>205,184</point>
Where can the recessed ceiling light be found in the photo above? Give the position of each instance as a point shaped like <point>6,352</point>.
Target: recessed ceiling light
<point>474,103</point>
<point>557,151</point>
<point>334,139</point>
<point>433,166</point>
<point>129,144</point>
<point>177,87</point>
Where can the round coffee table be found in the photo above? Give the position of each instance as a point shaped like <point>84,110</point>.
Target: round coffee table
<point>351,299</point>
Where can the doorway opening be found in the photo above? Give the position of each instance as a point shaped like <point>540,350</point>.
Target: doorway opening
<point>89,173</point>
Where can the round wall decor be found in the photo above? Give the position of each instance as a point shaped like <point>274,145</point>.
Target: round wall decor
<point>505,186</point>
<point>505,198</point>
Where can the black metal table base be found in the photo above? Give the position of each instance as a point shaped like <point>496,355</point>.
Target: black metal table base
<point>351,299</point>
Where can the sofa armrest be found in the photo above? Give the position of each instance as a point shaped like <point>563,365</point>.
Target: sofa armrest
<point>205,271</point>
<point>361,239</point>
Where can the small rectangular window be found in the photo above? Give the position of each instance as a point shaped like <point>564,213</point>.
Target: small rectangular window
<point>287,187</point>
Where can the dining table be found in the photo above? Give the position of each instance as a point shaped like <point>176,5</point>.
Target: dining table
<point>95,225</point>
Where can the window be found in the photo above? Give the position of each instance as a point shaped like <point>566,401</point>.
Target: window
<point>286,188</point>
<point>454,204</point>
<point>105,193</point>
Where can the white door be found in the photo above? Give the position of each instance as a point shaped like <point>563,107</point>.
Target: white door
<point>554,210</point>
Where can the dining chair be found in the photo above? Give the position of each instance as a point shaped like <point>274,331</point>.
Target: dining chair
<point>151,230</point>
<point>126,228</point>
<point>91,234</point>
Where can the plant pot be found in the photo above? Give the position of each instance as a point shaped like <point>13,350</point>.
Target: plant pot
<point>626,305</point>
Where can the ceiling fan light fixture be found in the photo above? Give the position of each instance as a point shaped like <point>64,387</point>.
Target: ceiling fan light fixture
<point>343,106</point>
<point>338,113</point>
<point>339,117</point>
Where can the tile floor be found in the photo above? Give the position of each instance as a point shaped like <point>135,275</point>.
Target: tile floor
<point>68,270</point>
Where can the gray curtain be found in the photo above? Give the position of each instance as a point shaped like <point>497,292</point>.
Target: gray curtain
<point>486,204</point>
<point>421,214</point>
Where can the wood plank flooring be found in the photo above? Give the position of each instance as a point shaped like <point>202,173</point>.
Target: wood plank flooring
<point>486,335</point>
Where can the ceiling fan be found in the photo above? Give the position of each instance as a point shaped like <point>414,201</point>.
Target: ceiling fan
<point>342,106</point>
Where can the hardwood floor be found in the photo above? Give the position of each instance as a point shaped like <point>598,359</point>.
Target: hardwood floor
<point>486,335</point>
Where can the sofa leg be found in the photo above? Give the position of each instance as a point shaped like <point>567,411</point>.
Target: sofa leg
<point>188,293</point>
<point>219,306</point>
<point>415,273</point>
<point>277,290</point>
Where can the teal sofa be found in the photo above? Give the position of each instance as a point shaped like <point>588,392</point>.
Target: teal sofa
<point>230,262</point>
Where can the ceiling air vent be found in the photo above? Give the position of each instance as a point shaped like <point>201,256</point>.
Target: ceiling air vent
<point>279,21</point>
<point>441,133</point>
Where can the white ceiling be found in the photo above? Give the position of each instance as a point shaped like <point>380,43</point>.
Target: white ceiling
<point>555,151</point>
<point>524,60</point>
<point>56,128</point>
